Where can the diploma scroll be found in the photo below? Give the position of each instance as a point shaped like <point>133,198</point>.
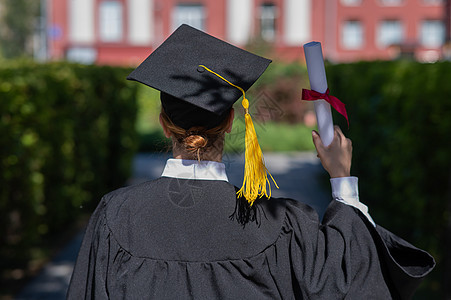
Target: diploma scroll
<point>318,83</point>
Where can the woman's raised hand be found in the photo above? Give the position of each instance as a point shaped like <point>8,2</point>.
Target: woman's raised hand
<point>335,158</point>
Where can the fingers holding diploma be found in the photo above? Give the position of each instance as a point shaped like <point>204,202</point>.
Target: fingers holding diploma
<point>335,158</point>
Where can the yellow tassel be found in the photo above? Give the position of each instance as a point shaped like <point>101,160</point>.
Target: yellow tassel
<point>255,172</point>
<point>256,182</point>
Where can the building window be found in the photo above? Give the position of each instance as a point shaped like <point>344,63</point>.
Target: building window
<point>391,2</point>
<point>190,14</point>
<point>432,33</point>
<point>352,35</point>
<point>351,2</point>
<point>268,14</point>
<point>81,21</point>
<point>433,2</point>
<point>390,32</point>
<point>83,55</point>
<point>110,27</point>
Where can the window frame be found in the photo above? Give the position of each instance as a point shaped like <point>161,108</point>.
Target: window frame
<point>392,3</point>
<point>186,9</point>
<point>361,33</point>
<point>107,32</point>
<point>351,2</point>
<point>427,36</point>
<point>382,44</point>
<point>268,33</point>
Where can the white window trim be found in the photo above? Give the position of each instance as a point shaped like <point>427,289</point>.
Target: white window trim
<point>391,3</point>
<point>107,33</point>
<point>264,9</point>
<point>378,34</point>
<point>351,2</point>
<point>362,37</point>
<point>175,22</point>
<point>432,2</point>
<point>431,45</point>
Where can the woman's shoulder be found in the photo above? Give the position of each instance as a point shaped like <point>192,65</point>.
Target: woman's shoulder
<point>176,197</point>
<point>288,208</point>
<point>127,191</point>
<point>270,211</point>
<point>204,212</point>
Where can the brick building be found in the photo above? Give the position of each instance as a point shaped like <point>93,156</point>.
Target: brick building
<point>381,29</point>
<point>125,31</point>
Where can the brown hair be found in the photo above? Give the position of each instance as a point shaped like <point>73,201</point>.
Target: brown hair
<point>196,140</point>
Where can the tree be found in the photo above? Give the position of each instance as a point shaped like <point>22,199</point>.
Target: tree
<point>18,22</point>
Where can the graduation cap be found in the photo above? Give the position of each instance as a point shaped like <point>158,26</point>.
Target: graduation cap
<point>188,90</point>
<point>200,77</point>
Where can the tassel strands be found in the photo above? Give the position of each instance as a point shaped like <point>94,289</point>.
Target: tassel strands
<point>255,183</point>
<point>255,180</point>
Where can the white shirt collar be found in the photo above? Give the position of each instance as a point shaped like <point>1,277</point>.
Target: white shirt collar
<point>193,169</point>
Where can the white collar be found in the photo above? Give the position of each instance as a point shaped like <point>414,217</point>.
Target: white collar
<point>193,169</point>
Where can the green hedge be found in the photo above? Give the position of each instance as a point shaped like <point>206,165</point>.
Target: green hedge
<point>400,124</point>
<point>67,136</point>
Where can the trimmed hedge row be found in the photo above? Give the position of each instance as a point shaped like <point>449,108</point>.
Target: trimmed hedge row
<point>67,136</point>
<point>400,125</point>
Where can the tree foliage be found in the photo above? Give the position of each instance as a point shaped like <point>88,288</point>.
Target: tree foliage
<point>18,23</point>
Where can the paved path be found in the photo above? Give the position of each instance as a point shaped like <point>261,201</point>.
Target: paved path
<point>296,174</point>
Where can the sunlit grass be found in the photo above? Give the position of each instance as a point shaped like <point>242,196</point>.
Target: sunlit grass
<point>272,137</point>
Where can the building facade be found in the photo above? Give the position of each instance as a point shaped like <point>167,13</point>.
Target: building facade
<point>123,32</point>
<point>383,29</point>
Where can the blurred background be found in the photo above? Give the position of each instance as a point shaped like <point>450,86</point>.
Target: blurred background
<point>70,124</point>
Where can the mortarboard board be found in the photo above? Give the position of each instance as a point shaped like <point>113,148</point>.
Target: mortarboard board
<point>200,77</point>
<point>187,88</point>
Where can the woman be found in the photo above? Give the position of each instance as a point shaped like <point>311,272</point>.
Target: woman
<point>190,235</point>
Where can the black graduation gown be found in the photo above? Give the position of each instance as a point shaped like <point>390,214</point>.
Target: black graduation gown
<point>173,239</point>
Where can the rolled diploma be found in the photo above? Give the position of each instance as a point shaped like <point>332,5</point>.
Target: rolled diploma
<point>318,83</point>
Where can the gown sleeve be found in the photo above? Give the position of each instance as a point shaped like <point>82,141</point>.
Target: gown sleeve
<point>88,279</point>
<point>406,265</point>
<point>347,257</point>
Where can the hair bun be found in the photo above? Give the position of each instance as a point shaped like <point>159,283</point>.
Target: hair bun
<point>195,141</point>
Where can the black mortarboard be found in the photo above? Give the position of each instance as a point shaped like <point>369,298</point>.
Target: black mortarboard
<point>174,69</point>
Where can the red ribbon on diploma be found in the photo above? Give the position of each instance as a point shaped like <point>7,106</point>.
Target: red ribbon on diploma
<point>339,106</point>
